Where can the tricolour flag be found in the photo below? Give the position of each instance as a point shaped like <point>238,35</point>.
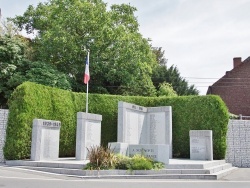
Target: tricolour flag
<point>86,74</point>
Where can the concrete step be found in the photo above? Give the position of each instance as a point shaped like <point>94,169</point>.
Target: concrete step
<point>126,174</point>
<point>225,172</point>
<point>218,168</point>
<point>170,169</point>
<point>191,164</point>
<point>177,169</point>
<point>69,163</point>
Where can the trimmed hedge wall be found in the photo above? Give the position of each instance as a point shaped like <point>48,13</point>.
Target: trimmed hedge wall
<point>31,100</point>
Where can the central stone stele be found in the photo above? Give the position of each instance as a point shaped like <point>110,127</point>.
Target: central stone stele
<point>144,129</point>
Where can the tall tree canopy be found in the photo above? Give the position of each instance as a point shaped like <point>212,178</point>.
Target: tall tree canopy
<point>16,67</point>
<point>121,60</point>
<point>162,74</point>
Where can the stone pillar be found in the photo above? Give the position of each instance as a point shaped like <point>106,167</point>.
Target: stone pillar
<point>3,126</point>
<point>45,140</point>
<point>201,145</point>
<point>88,133</point>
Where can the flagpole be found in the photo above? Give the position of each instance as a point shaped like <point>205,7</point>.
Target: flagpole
<point>87,96</point>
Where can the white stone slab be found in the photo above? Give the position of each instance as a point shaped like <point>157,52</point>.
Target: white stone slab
<point>45,140</point>
<point>119,148</point>
<point>201,145</point>
<point>88,133</point>
<point>3,126</point>
<point>158,152</point>
<point>156,128</point>
<point>141,125</point>
<point>159,120</point>
<point>131,123</point>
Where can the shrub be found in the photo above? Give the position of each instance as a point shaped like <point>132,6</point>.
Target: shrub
<point>100,158</point>
<point>31,100</point>
<point>122,162</point>
<point>158,165</point>
<point>139,162</point>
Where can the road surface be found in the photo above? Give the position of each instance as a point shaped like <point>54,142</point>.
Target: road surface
<point>11,177</point>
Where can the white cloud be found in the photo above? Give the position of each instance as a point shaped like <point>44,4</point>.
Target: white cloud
<point>200,37</point>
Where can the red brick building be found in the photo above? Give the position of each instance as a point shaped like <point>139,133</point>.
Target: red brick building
<point>234,87</point>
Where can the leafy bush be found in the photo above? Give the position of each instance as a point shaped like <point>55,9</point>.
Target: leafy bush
<point>122,162</point>
<point>158,165</point>
<point>31,100</point>
<point>102,158</point>
<point>139,162</point>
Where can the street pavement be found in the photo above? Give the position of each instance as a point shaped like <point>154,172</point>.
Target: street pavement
<point>241,174</point>
<point>11,177</point>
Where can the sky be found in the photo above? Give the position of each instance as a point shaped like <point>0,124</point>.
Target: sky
<point>199,37</point>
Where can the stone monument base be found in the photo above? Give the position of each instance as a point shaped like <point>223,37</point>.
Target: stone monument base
<point>158,152</point>
<point>119,147</point>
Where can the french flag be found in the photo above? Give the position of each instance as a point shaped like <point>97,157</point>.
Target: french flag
<point>86,74</point>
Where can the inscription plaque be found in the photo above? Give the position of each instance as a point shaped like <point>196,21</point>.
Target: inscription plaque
<point>45,140</point>
<point>157,152</point>
<point>157,128</point>
<point>201,146</point>
<point>141,125</point>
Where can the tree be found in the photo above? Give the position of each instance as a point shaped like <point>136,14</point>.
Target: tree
<point>7,28</point>
<point>166,89</point>
<point>11,55</point>
<point>162,74</point>
<point>15,68</point>
<point>121,60</point>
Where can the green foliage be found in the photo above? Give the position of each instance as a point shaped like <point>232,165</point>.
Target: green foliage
<point>199,113</point>
<point>139,162</point>
<point>12,54</point>
<point>100,158</point>
<point>39,72</point>
<point>122,162</point>
<point>162,73</point>
<point>158,165</point>
<point>32,100</point>
<point>166,89</point>
<point>15,68</point>
<point>121,60</point>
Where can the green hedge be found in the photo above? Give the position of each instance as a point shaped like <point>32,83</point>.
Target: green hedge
<point>31,100</point>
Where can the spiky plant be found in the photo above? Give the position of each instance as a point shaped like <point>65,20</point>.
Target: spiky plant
<point>101,157</point>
